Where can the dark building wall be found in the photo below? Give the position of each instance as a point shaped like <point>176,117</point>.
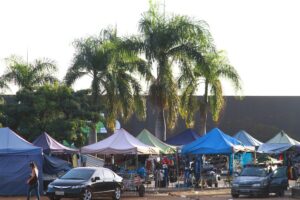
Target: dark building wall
<point>261,116</point>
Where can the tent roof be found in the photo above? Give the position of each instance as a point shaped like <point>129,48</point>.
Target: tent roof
<point>247,139</point>
<point>12,143</point>
<point>183,138</point>
<point>215,142</point>
<point>279,143</point>
<point>283,138</point>
<point>147,138</point>
<point>121,142</point>
<point>49,144</point>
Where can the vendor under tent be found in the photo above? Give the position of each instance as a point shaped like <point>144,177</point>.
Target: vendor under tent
<point>15,155</point>
<point>247,139</point>
<point>278,144</point>
<point>215,142</point>
<point>50,145</point>
<point>183,138</point>
<point>147,138</point>
<point>120,142</point>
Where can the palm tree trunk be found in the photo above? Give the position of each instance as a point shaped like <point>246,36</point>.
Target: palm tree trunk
<point>160,125</point>
<point>93,135</point>
<point>204,110</point>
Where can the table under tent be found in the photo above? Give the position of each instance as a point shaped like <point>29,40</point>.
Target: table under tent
<point>214,152</point>
<point>56,159</point>
<point>121,146</point>
<point>185,137</point>
<point>15,155</point>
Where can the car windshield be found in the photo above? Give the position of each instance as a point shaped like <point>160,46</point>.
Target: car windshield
<point>80,174</point>
<point>254,171</point>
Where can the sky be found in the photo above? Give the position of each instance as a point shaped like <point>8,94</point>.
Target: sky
<point>261,37</point>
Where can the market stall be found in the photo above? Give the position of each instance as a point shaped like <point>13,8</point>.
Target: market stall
<point>15,155</point>
<point>123,144</point>
<point>213,144</point>
<point>247,140</point>
<point>166,169</point>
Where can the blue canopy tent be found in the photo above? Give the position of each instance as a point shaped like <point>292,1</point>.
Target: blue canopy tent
<point>15,156</point>
<point>247,139</point>
<point>215,142</point>
<point>278,144</point>
<point>183,138</point>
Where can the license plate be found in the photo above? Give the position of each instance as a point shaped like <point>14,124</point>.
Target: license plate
<point>59,193</point>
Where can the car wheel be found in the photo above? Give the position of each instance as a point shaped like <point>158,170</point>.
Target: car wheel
<point>141,191</point>
<point>87,194</point>
<point>235,195</point>
<point>216,184</point>
<point>209,183</point>
<point>280,193</point>
<point>54,198</point>
<point>117,194</point>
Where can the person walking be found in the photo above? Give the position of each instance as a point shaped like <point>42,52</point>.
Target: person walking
<point>33,181</point>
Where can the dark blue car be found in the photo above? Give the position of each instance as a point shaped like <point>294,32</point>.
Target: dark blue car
<point>257,180</point>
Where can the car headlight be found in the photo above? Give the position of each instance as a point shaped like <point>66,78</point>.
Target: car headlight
<point>77,186</point>
<point>50,186</point>
<point>256,185</point>
<point>235,185</point>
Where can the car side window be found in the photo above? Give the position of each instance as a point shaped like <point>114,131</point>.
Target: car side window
<point>100,174</point>
<point>108,174</point>
<point>279,172</point>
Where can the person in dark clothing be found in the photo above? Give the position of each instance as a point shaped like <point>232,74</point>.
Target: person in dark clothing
<point>33,181</point>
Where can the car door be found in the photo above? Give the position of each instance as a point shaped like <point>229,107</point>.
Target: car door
<point>99,185</point>
<point>279,179</point>
<point>109,180</point>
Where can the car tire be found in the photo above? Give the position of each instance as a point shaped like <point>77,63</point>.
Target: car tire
<point>280,193</point>
<point>209,183</point>
<point>54,198</point>
<point>117,193</point>
<point>235,195</point>
<point>141,191</point>
<point>87,194</point>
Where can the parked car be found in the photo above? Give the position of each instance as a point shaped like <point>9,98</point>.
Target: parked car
<point>257,180</point>
<point>86,183</point>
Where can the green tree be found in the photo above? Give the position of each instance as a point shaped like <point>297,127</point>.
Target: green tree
<point>51,108</point>
<point>210,72</point>
<point>167,41</point>
<point>28,75</point>
<point>112,65</point>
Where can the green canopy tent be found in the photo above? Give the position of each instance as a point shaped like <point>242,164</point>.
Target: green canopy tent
<point>147,138</point>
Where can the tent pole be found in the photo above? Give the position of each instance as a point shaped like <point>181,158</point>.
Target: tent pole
<point>137,161</point>
<point>177,168</point>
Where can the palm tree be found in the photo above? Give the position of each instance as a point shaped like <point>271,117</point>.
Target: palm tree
<point>214,68</point>
<point>112,66</point>
<point>28,75</point>
<point>166,41</point>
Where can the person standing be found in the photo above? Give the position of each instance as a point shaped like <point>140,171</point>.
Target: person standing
<point>33,181</point>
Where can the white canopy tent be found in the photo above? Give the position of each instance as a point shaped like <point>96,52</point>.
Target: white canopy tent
<point>121,142</point>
